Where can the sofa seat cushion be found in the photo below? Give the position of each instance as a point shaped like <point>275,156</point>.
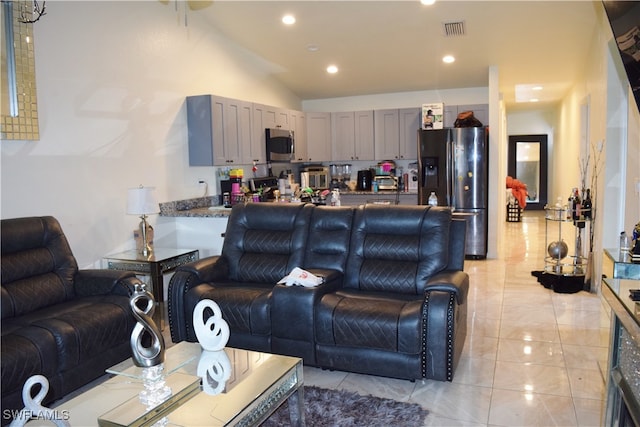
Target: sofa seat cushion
<point>246,308</point>
<point>80,328</point>
<point>379,320</point>
<point>26,352</point>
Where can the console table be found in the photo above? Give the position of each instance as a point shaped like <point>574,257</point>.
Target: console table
<point>161,260</point>
<point>623,377</point>
<point>619,266</point>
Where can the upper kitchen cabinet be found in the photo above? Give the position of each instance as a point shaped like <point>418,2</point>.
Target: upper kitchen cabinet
<point>396,133</point>
<point>352,136</point>
<point>409,126</point>
<point>318,137</point>
<point>480,111</point>
<point>273,117</point>
<point>220,130</point>
<point>299,127</point>
<point>387,134</point>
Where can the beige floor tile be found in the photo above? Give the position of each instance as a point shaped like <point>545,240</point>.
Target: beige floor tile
<point>517,408</point>
<point>584,335</point>
<point>480,347</point>
<point>480,326</point>
<point>455,401</point>
<point>586,384</point>
<point>530,331</point>
<point>473,371</point>
<point>584,357</point>
<point>589,412</point>
<point>537,352</point>
<point>529,377</point>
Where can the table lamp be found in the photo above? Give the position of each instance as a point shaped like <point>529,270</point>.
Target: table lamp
<point>141,201</point>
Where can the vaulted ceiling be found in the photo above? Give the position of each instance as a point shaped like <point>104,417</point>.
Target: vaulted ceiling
<point>397,46</point>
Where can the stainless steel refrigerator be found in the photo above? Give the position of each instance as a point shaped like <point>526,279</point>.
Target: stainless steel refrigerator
<point>452,163</point>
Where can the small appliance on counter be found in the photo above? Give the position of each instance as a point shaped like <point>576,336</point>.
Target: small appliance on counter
<point>365,177</point>
<point>315,177</point>
<point>386,182</point>
<point>269,185</point>
<point>387,167</point>
<point>340,176</point>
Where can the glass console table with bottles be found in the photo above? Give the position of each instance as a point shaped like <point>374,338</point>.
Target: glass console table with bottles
<point>565,230</point>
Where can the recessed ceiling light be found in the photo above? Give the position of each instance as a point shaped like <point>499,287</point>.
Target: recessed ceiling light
<point>288,19</point>
<point>427,2</point>
<point>332,69</point>
<point>313,47</point>
<point>448,59</point>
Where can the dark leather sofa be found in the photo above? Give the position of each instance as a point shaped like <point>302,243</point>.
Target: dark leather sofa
<point>393,300</point>
<point>57,320</point>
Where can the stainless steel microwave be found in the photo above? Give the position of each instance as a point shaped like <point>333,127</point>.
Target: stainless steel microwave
<point>280,145</point>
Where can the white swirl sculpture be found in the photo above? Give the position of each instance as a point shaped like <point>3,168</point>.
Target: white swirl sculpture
<point>212,334</point>
<point>33,406</point>
<point>214,368</point>
<point>152,354</point>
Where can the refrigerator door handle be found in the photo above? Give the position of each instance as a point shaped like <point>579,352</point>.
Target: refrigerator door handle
<point>450,171</point>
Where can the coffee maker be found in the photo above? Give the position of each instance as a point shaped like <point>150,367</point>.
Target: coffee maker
<point>365,178</point>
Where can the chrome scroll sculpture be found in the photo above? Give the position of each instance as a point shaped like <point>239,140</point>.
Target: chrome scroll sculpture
<point>147,344</point>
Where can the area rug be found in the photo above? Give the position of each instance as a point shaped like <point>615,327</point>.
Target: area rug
<point>340,408</point>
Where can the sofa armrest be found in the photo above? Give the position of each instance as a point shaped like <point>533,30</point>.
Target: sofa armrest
<point>456,282</point>
<point>293,308</point>
<point>445,323</point>
<point>91,282</point>
<point>186,277</point>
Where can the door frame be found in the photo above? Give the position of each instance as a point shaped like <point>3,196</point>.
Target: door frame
<point>542,139</point>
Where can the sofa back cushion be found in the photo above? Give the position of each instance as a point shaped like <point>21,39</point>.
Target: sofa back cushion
<point>264,242</point>
<point>397,249</point>
<point>37,267</point>
<point>329,234</point>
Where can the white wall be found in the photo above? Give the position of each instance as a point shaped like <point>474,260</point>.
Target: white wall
<point>478,95</point>
<point>111,80</point>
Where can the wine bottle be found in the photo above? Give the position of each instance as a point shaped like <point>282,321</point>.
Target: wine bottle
<point>587,206</point>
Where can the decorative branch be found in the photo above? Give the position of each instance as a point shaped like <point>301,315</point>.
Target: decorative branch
<point>595,174</point>
<point>36,11</point>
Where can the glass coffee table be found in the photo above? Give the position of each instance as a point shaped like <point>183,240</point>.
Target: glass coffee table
<point>238,388</point>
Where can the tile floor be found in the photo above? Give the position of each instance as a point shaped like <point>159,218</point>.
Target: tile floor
<point>532,357</point>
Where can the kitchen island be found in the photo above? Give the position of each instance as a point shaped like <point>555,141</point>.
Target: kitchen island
<point>201,222</point>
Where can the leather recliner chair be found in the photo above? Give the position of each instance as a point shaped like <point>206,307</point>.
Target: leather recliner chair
<point>262,244</point>
<point>401,312</point>
<point>57,320</point>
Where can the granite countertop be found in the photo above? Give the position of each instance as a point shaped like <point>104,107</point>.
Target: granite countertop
<point>201,207</point>
<point>208,207</point>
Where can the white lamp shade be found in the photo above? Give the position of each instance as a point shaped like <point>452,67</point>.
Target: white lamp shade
<point>141,201</point>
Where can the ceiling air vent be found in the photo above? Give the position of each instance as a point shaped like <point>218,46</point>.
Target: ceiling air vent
<point>453,29</point>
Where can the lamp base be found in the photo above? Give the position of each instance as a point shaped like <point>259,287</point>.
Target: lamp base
<point>144,237</point>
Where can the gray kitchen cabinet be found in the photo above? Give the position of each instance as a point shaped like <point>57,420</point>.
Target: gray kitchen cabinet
<point>396,133</point>
<point>219,130</point>
<point>409,126</point>
<point>258,141</point>
<point>318,137</point>
<point>352,136</point>
<point>299,127</point>
<point>386,134</point>
<point>480,111</point>
<point>364,141</point>
<point>343,136</point>
<point>274,117</point>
